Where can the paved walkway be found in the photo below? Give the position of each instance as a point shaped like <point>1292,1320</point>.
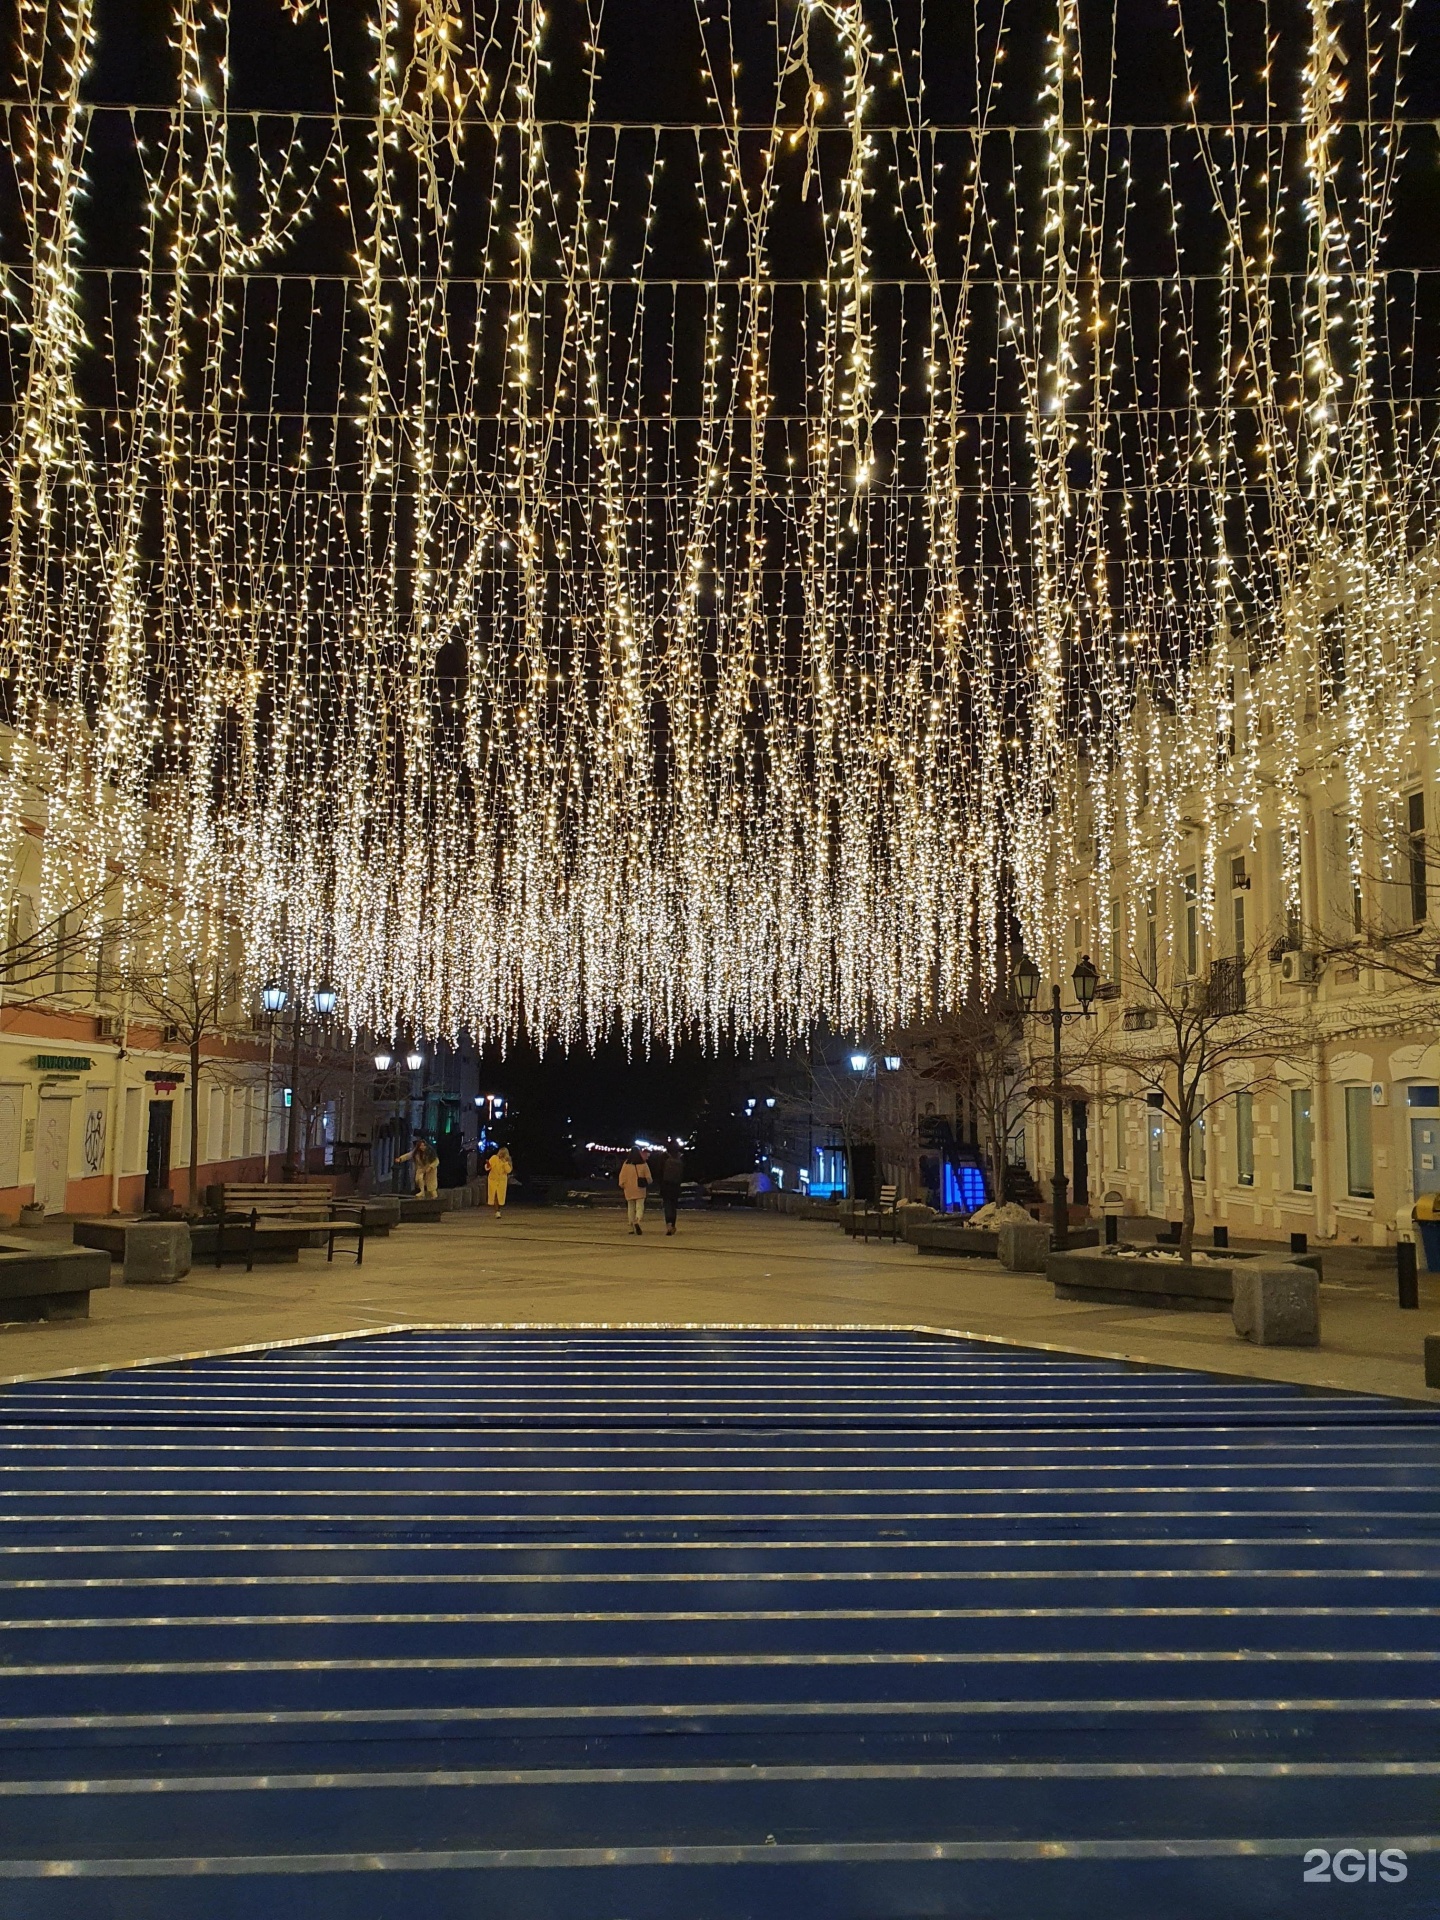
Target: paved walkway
<point>729,1268</point>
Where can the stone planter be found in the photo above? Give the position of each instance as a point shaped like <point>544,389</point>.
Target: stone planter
<point>155,1253</point>
<point>1024,1249</point>
<point>938,1236</point>
<point>1132,1280</point>
<point>53,1285</point>
<point>1276,1304</point>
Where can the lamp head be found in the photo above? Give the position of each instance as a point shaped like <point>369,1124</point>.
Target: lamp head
<point>414,1060</point>
<point>1027,981</point>
<point>273,997</point>
<point>383,1060</point>
<point>859,1062</point>
<point>1085,979</point>
<point>326,999</point>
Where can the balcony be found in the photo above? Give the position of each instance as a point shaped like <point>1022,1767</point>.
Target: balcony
<point>1225,989</point>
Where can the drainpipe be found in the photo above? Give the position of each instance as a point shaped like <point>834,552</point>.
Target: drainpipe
<point>1320,1124</point>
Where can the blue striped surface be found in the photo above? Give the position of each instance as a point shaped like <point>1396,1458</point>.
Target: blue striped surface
<point>675,1625</point>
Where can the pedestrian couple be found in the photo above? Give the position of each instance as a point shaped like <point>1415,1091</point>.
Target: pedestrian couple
<point>638,1174</point>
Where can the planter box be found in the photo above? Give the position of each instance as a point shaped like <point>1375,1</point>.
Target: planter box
<point>377,1215</point>
<point>55,1284</point>
<point>1277,1305</point>
<point>1131,1280</point>
<point>975,1243</point>
<point>154,1253</point>
<point>413,1209</point>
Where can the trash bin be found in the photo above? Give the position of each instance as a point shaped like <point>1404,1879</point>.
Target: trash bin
<point>1427,1222</point>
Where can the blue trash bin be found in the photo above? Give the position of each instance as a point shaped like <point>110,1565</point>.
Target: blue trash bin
<point>1430,1240</point>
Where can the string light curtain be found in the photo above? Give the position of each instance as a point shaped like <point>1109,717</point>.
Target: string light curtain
<point>554,569</point>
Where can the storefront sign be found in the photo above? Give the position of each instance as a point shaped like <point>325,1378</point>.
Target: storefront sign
<point>62,1063</point>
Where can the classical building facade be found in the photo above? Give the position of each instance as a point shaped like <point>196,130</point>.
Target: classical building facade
<point>1273,896</point>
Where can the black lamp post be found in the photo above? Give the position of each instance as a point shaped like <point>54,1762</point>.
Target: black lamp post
<point>272,1001</point>
<point>1027,988</point>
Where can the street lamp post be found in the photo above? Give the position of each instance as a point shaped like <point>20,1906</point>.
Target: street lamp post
<point>863,1063</point>
<point>272,1000</point>
<point>1027,988</point>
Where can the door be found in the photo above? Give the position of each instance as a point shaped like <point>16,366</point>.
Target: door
<point>1155,1128</point>
<point>52,1155</point>
<point>12,1103</point>
<point>157,1149</point>
<point>1080,1152</point>
<point>1425,1154</point>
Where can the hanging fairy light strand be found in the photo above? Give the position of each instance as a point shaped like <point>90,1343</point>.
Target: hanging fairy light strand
<point>553,573</point>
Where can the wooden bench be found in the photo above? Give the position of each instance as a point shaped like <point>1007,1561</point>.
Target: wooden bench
<point>290,1200</point>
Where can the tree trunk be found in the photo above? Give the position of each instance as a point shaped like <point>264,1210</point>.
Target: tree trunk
<point>1187,1184</point>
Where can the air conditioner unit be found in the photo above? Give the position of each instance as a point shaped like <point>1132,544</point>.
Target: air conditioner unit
<point>1299,969</point>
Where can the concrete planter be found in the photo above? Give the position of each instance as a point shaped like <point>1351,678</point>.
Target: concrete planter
<point>1024,1249</point>
<point>413,1209</point>
<point>937,1236</point>
<point>154,1253</point>
<point>53,1285</point>
<point>1126,1280</point>
<point>1276,1304</point>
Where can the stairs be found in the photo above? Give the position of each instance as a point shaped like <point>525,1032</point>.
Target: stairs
<point>677,1625</point>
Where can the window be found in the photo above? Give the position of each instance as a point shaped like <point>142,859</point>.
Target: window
<point>1151,949</point>
<point>1244,1140</point>
<point>1239,886</point>
<point>1420,1096</point>
<point>1190,928</point>
<point>1197,1149</point>
<point>1116,940</point>
<point>1419,888</point>
<point>1302,1141</point>
<point>1359,1166</point>
<point>1122,1121</point>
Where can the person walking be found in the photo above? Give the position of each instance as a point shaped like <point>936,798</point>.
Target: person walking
<point>634,1180</point>
<point>498,1169</point>
<point>427,1169</point>
<point>669,1177</point>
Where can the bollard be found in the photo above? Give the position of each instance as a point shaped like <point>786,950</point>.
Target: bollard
<point>1112,1230</point>
<point>1408,1284</point>
<point>1222,1236</point>
<point>1299,1243</point>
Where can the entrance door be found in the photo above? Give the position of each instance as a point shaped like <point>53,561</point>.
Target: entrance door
<point>1425,1154</point>
<point>1155,1127</point>
<point>1080,1152</point>
<point>11,1108</point>
<point>52,1155</point>
<point>157,1149</point>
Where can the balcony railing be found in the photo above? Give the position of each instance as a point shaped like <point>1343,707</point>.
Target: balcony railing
<point>1225,989</point>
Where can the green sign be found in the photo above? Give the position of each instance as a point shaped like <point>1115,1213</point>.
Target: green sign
<point>63,1062</point>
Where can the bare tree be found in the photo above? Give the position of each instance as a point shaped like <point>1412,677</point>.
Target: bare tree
<point>978,1051</point>
<point>195,998</point>
<point>59,959</point>
<point>1183,1040</point>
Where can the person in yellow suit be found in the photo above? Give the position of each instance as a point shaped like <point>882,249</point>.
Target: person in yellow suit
<point>498,1168</point>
